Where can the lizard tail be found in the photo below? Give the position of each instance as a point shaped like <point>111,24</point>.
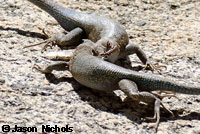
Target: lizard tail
<point>184,88</point>
<point>154,82</point>
<point>67,18</point>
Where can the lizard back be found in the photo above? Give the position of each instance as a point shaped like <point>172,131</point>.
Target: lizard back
<point>98,74</point>
<point>95,27</point>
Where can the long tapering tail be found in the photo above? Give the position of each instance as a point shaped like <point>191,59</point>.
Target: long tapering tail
<point>67,18</point>
<point>154,82</point>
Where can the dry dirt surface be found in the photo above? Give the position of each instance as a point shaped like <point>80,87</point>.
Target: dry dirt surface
<point>167,30</point>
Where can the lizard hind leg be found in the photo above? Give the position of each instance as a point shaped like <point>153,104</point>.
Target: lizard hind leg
<point>46,42</point>
<point>71,38</point>
<point>59,66</point>
<point>131,90</point>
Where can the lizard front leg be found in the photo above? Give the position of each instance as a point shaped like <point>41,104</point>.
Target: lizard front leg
<point>108,49</point>
<point>135,49</point>
<point>131,90</point>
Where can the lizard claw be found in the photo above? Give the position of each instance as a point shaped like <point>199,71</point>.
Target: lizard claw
<point>157,113</point>
<point>48,41</point>
<point>166,94</point>
<point>168,110</point>
<point>45,34</point>
<point>155,66</point>
<point>45,47</point>
<point>153,125</point>
<point>150,66</point>
<point>150,118</point>
<point>38,68</point>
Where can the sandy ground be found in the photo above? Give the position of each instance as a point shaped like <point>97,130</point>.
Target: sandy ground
<point>169,33</point>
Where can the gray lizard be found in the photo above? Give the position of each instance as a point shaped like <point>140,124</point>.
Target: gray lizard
<point>95,73</point>
<point>103,31</point>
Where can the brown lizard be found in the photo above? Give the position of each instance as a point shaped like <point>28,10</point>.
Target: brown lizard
<point>95,73</point>
<point>103,31</point>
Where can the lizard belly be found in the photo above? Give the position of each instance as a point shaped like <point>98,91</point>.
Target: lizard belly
<point>85,70</point>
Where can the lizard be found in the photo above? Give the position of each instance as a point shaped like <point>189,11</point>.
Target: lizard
<point>95,73</point>
<point>103,31</point>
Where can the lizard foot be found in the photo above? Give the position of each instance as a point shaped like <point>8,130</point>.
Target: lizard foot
<point>50,42</point>
<point>38,68</point>
<point>157,113</point>
<point>149,66</point>
<point>108,49</point>
<point>131,90</point>
<point>59,66</point>
<point>154,67</point>
<point>166,94</point>
<point>154,117</point>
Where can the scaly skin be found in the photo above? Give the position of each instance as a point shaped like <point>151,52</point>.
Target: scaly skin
<point>95,73</point>
<point>95,27</point>
<point>98,74</point>
<point>103,31</point>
